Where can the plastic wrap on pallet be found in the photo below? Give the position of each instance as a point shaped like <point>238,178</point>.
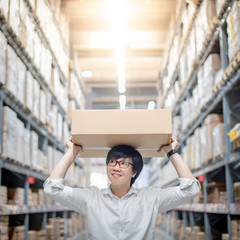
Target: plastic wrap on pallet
<point>218,140</point>
<point>29,88</point>
<point>30,36</point>
<point>211,121</point>
<point>14,18</point>
<point>36,98</point>
<point>3,49</point>
<point>9,137</point>
<point>4,6</point>
<point>21,71</point>
<point>12,76</point>
<point>19,131</point>
<point>43,111</point>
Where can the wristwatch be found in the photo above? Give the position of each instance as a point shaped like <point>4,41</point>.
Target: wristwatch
<point>170,153</point>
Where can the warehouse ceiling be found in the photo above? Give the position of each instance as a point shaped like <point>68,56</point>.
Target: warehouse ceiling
<point>93,38</point>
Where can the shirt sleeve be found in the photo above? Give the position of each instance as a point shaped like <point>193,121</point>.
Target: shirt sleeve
<point>170,198</point>
<point>73,198</point>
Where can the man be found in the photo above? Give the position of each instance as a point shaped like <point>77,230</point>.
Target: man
<point>121,211</point>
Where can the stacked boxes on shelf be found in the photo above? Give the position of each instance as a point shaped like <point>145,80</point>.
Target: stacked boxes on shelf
<point>236,189</point>
<point>17,232</point>
<point>235,229</point>
<point>16,196</point>
<point>210,138</point>
<point>4,227</point>
<point>233,26</point>
<point>217,192</point>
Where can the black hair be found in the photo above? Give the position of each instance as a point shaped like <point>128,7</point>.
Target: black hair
<point>126,151</point>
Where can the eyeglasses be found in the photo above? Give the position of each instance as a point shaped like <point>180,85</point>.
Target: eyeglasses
<point>122,164</point>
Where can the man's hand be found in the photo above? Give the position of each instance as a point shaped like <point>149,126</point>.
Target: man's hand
<point>70,145</point>
<point>167,148</point>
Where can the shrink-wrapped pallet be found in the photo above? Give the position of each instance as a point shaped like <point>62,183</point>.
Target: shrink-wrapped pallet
<point>218,140</point>
<point>21,72</point>
<point>29,91</point>
<point>12,76</point>
<point>3,57</point>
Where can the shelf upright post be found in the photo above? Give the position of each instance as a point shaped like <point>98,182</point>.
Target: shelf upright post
<point>26,219</point>
<point>44,149</point>
<point>65,224</point>
<point>228,147</point>
<point>207,225</point>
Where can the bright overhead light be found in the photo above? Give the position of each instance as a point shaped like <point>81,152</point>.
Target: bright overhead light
<point>151,105</point>
<point>118,27</point>
<point>122,101</point>
<point>87,74</point>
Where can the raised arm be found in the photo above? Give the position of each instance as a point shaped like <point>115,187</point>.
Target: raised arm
<point>61,168</point>
<point>181,167</point>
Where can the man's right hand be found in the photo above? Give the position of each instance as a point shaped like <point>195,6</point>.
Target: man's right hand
<point>70,145</point>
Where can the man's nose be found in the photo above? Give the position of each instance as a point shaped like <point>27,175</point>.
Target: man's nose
<point>117,166</point>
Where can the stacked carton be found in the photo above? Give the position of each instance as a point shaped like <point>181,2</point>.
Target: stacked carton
<point>4,227</point>
<point>3,195</point>
<point>31,235</point>
<point>198,232</point>
<point>9,138</point>
<point>218,140</point>
<point>16,196</point>
<point>236,190</point>
<point>211,121</point>
<point>206,77</point>
<point>235,229</point>
<point>214,189</point>
<point>3,51</point>
<point>12,76</point>
<point>233,26</point>
<point>16,233</point>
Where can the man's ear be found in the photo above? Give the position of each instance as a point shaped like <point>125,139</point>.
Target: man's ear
<point>134,174</point>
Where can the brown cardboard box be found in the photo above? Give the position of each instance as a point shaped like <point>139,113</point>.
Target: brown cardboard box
<point>99,130</point>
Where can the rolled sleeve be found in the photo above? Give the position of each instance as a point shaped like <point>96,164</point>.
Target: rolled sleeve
<point>73,198</point>
<point>172,197</point>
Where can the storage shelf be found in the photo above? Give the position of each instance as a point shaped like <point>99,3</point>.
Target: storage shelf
<point>12,102</point>
<point>182,46</point>
<point>28,209</point>
<point>233,157</point>
<point>23,55</point>
<point>20,168</point>
<point>209,41</point>
<point>209,106</point>
<point>219,208</point>
<point>46,42</point>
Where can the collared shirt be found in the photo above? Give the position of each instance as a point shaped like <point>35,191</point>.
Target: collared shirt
<point>132,216</point>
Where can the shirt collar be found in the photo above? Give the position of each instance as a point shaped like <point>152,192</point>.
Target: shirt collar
<point>131,191</point>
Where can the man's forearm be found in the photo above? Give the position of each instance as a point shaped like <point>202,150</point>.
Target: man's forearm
<point>181,167</point>
<point>61,168</point>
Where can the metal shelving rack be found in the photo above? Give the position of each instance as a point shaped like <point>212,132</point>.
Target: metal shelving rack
<point>20,171</point>
<point>222,95</point>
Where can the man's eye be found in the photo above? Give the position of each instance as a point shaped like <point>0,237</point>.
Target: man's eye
<point>112,161</point>
<point>123,163</point>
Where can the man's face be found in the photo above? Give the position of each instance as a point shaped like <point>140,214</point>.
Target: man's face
<point>120,176</point>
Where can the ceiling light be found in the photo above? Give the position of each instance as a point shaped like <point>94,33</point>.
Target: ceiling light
<point>87,74</point>
<point>122,101</point>
<point>151,105</point>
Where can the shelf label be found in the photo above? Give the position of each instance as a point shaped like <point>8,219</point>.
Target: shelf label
<point>201,178</point>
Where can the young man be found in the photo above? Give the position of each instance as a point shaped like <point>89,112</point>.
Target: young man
<point>121,211</point>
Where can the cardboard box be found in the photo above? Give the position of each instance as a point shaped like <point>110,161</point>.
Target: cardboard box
<point>99,130</point>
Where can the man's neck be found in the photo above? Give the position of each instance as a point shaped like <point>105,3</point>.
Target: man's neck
<point>120,191</point>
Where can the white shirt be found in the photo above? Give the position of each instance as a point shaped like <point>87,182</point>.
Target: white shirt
<point>131,217</point>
